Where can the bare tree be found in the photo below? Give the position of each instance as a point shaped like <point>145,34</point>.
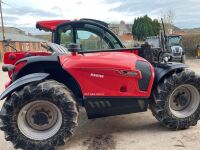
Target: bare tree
<point>168,18</point>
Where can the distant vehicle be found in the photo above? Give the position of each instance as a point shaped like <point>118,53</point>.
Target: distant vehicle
<point>154,41</point>
<point>173,44</point>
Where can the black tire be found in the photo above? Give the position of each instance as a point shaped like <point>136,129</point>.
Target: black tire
<point>163,100</point>
<point>51,93</point>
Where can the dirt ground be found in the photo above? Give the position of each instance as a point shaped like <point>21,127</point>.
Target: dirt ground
<point>139,131</point>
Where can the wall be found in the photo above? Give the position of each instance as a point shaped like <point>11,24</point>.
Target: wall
<point>21,46</point>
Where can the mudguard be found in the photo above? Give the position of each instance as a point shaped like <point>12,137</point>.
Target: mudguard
<point>164,69</point>
<point>22,82</point>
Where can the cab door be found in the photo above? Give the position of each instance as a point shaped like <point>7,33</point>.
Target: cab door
<point>91,36</point>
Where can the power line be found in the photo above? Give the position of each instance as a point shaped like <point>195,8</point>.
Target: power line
<point>19,10</point>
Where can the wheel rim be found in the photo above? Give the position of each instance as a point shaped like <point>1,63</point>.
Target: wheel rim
<point>184,101</point>
<point>39,120</point>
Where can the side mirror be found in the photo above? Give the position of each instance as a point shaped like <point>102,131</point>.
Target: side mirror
<point>74,48</point>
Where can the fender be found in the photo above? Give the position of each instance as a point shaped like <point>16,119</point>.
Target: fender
<point>22,82</point>
<point>37,64</point>
<point>48,64</point>
<point>163,69</point>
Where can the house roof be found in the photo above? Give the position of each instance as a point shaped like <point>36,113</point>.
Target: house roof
<point>12,30</point>
<point>20,38</point>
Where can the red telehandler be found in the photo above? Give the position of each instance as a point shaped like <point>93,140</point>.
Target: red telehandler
<point>40,111</point>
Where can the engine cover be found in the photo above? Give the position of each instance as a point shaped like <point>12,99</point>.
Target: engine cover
<point>109,74</point>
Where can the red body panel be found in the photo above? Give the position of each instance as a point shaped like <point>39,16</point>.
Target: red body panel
<point>13,57</point>
<point>100,74</point>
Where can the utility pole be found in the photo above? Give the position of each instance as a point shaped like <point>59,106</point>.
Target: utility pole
<point>3,31</point>
<point>2,24</point>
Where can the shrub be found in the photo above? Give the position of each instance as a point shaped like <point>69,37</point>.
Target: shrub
<point>190,43</point>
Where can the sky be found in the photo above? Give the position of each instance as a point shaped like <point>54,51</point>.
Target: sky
<point>25,13</point>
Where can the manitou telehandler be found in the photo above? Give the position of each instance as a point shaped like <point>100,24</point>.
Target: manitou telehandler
<point>40,110</point>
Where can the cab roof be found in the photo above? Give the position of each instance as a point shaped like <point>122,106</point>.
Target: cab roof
<point>51,25</point>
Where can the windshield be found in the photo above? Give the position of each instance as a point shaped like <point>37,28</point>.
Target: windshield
<point>154,42</point>
<point>172,41</point>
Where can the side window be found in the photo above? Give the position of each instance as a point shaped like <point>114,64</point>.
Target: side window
<point>113,40</point>
<point>90,41</point>
<point>66,37</point>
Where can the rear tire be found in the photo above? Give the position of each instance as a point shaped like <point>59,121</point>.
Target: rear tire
<point>41,116</point>
<point>176,100</point>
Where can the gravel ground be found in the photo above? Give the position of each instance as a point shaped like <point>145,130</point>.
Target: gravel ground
<point>127,132</point>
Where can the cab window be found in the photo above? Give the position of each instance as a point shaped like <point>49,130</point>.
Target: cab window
<point>105,35</point>
<point>90,41</point>
<point>89,36</point>
<point>66,36</point>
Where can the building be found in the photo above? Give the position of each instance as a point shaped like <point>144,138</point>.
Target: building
<point>12,30</point>
<point>121,28</point>
<point>179,32</point>
<point>126,37</point>
<point>20,42</point>
<point>124,28</point>
<point>123,31</point>
<point>114,28</point>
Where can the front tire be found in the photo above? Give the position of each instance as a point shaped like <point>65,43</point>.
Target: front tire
<point>41,116</point>
<point>176,100</point>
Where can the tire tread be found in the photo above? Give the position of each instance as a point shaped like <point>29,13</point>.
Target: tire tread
<point>159,104</point>
<point>47,89</point>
